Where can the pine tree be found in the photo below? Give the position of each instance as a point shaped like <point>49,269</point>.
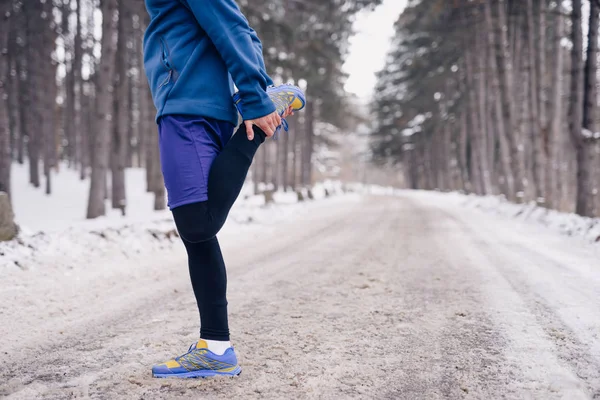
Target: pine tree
<point>497,94</point>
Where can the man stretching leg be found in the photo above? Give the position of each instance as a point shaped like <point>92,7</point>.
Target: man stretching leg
<point>194,53</point>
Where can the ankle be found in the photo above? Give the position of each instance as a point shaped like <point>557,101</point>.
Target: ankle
<point>218,346</point>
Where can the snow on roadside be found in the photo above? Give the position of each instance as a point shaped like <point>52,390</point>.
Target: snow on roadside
<point>66,206</point>
<point>56,236</point>
<point>566,223</point>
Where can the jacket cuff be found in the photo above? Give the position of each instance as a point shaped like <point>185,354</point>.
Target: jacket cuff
<point>257,106</point>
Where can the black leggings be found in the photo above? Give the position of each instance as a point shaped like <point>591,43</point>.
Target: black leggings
<point>199,223</point>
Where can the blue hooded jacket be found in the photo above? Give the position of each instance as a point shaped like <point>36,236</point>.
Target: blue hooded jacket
<point>193,49</point>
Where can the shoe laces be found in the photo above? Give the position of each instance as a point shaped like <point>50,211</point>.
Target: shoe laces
<point>284,125</point>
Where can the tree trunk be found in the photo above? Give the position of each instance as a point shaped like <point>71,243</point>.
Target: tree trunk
<point>255,172</point>
<point>153,169</point>
<point>157,177</point>
<point>32,105</point>
<point>505,64</point>
<point>121,130</point>
<point>88,91</point>
<point>475,130</point>
<point>552,147</point>
<point>145,104</point>
<point>285,148</point>
<point>483,133</point>
<point>150,142</point>
<point>498,106</point>
<point>590,77</point>
<point>5,151</point>
<point>295,153</point>
<point>132,123</point>
<point>463,152</point>
<point>12,89</point>
<point>585,149</point>
<point>456,170</point>
<point>85,132</point>
<point>540,11</point>
<point>77,86</point>
<point>309,123</point>
<point>160,202</point>
<point>49,91</point>
<point>141,96</point>
<point>68,115</point>
<point>277,166</point>
<point>582,101</point>
<point>16,140</point>
<point>96,206</point>
<point>20,94</point>
<point>264,165</point>
<point>534,89</point>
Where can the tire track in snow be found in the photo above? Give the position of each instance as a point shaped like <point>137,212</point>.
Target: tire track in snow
<point>576,370</point>
<point>453,349</point>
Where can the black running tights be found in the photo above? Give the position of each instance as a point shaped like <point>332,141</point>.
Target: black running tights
<point>199,223</point>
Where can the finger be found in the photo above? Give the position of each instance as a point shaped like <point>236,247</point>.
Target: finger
<point>269,123</point>
<point>277,119</point>
<point>264,127</point>
<point>249,130</point>
<point>269,131</point>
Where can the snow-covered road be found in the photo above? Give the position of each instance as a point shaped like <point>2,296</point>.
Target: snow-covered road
<point>407,297</point>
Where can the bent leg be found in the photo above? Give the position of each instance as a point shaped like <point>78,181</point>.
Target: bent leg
<point>229,170</point>
<point>202,220</point>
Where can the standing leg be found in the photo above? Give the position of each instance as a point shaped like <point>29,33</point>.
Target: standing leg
<point>209,281</point>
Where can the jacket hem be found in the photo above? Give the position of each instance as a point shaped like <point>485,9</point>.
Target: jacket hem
<point>195,108</point>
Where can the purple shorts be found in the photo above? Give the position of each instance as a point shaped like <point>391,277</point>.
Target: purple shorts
<point>188,146</point>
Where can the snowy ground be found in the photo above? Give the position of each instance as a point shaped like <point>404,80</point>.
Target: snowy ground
<point>410,296</point>
<point>54,229</point>
<point>66,207</point>
<point>565,223</point>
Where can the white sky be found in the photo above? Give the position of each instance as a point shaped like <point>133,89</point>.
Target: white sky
<point>369,47</point>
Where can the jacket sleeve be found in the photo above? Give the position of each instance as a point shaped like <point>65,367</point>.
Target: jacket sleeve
<point>259,54</point>
<point>239,46</point>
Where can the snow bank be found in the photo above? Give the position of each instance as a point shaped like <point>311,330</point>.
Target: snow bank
<point>565,223</point>
<point>75,246</point>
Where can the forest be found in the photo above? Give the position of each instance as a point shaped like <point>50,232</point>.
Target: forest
<point>495,97</point>
<point>73,92</point>
<point>490,97</point>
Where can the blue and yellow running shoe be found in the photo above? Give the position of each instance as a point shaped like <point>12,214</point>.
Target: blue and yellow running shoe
<point>283,96</point>
<point>199,362</point>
